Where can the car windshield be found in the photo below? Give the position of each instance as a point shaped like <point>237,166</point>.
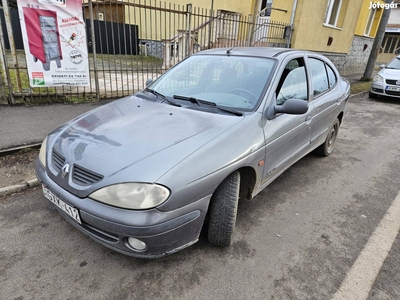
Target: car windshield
<point>394,64</point>
<point>234,82</point>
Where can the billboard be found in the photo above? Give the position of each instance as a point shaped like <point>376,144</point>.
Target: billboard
<point>54,38</point>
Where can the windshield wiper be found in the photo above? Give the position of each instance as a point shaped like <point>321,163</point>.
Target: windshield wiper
<point>158,94</point>
<point>194,100</point>
<point>208,103</point>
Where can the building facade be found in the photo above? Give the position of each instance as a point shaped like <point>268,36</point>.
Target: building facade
<point>343,30</point>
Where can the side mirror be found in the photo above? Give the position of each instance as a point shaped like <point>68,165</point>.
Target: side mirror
<point>382,66</point>
<point>291,106</point>
<point>149,81</point>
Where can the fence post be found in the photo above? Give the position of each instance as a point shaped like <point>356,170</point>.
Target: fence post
<point>96,75</point>
<point>188,31</point>
<point>249,30</point>
<point>167,55</point>
<point>11,99</point>
<point>5,75</point>
<point>288,35</point>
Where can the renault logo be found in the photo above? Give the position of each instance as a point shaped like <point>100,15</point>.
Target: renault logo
<point>65,170</point>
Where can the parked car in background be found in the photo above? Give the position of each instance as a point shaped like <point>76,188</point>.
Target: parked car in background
<point>140,174</point>
<point>387,81</point>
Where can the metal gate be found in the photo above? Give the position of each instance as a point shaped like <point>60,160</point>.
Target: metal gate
<point>131,42</point>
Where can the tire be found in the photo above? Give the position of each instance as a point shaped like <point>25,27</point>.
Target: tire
<point>223,211</point>
<point>327,147</point>
<point>372,95</point>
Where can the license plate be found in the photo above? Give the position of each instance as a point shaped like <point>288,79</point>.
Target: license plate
<point>68,209</point>
<point>393,88</point>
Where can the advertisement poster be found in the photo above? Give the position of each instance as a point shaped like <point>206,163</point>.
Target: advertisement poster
<point>55,42</point>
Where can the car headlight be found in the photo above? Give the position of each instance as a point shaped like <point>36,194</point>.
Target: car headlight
<point>42,153</point>
<point>378,79</point>
<point>132,195</point>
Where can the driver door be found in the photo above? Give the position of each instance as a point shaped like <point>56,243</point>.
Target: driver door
<point>287,136</point>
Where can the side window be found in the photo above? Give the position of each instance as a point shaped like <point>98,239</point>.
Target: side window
<point>319,77</point>
<point>293,82</point>
<point>331,76</point>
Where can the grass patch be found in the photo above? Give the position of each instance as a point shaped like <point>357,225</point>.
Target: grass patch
<point>360,87</point>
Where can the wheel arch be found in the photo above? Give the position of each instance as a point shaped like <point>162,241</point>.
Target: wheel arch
<point>248,178</point>
<point>340,117</point>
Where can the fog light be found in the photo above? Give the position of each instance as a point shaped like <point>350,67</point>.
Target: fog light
<point>136,244</point>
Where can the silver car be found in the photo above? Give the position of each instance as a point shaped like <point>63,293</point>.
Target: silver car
<point>387,81</point>
<point>141,174</point>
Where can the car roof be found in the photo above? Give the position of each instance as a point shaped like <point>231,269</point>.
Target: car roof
<point>252,51</point>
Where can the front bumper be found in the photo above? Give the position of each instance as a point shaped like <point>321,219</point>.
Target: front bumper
<point>379,89</point>
<point>163,232</point>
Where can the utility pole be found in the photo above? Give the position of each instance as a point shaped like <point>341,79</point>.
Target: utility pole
<point>377,43</point>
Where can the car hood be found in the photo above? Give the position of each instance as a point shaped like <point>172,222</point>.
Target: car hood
<point>133,139</point>
<point>390,73</point>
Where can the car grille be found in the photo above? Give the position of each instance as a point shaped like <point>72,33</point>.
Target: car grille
<point>391,81</point>
<point>80,175</point>
<point>393,93</point>
<point>83,176</point>
<point>58,161</point>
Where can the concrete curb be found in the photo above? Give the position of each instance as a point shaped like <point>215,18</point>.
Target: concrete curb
<point>358,94</point>
<point>18,187</point>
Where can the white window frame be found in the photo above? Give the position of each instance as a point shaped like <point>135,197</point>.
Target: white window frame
<point>370,22</point>
<point>329,12</point>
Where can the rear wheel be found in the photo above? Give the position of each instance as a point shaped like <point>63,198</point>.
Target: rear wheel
<point>327,147</point>
<point>223,210</point>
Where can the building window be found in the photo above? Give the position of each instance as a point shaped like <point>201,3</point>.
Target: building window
<point>265,8</point>
<point>391,44</point>
<point>370,21</point>
<point>333,12</point>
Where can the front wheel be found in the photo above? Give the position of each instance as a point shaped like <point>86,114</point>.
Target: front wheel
<point>223,211</point>
<point>372,95</point>
<point>327,147</point>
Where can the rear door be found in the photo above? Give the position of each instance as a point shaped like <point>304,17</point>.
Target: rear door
<point>325,95</point>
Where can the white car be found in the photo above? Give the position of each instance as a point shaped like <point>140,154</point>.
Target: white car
<point>387,81</point>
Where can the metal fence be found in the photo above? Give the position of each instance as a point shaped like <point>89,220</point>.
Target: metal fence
<point>130,42</point>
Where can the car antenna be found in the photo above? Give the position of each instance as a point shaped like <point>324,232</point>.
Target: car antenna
<point>229,51</point>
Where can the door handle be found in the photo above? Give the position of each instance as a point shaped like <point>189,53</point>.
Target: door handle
<point>308,118</point>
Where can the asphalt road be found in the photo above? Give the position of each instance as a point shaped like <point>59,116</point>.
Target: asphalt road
<point>24,124</point>
<point>301,238</point>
